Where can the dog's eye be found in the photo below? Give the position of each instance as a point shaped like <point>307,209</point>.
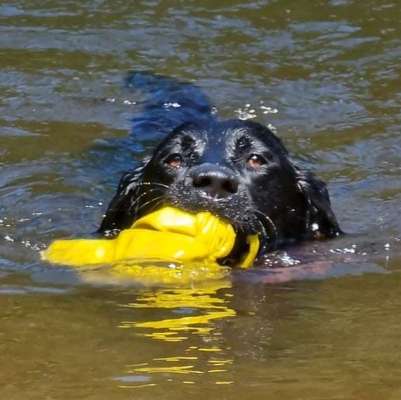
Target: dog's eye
<point>174,160</point>
<point>255,161</point>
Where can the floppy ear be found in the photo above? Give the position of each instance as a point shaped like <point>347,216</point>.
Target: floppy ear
<point>118,215</point>
<point>321,222</point>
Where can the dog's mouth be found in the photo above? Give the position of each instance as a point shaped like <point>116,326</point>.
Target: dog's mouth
<point>246,249</point>
<point>234,211</point>
<point>241,253</point>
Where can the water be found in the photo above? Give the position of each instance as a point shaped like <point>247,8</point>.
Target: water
<point>328,329</point>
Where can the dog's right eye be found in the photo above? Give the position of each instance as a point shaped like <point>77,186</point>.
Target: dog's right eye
<point>174,160</point>
<point>255,161</point>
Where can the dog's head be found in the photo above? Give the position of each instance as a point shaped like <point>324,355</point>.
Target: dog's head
<point>238,170</point>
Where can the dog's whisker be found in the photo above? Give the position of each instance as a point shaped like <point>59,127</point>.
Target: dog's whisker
<point>148,183</point>
<point>145,193</point>
<point>156,200</point>
<point>138,185</point>
<point>263,228</point>
<point>136,201</point>
<point>259,215</point>
<point>140,206</point>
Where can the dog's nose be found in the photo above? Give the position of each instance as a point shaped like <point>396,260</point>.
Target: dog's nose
<point>214,180</point>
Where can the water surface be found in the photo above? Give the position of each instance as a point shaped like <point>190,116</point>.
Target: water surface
<point>325,75</point>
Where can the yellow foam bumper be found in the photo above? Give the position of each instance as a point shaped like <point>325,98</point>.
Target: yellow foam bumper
<point>168,235</point>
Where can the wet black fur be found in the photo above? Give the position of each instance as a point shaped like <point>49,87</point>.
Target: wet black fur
<point>278,200</point>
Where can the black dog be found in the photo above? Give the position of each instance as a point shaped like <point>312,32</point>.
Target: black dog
<point>238,170</point>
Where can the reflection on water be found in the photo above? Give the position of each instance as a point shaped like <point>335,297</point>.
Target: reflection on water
<point>152,273</point>
<point>199,306</point>
<point>185,312</point>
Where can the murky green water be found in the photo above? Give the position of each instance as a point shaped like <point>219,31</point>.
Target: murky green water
<point>331,69</point>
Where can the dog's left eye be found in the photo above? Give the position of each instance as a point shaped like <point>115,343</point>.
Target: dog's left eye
<point>174,160</point>
<point>255,161</point>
